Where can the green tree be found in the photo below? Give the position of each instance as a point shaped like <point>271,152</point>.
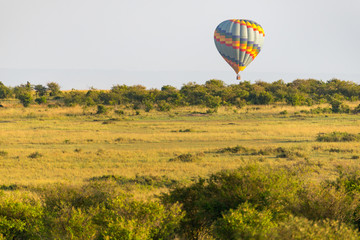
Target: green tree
<point>40,90</point>
<point>54,88</point>
<point>5,92</point>
<point>25,99</point>
<point>24,94</point>
<point>194,94</point>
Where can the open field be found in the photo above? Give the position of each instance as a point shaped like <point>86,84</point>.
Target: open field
<point>75,144</point>
<point>70,173</point>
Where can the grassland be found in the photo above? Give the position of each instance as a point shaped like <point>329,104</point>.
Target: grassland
<point>41,145</point>
<point>71,173</point>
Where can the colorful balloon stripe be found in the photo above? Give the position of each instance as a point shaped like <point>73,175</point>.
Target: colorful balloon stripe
<point>239,41</point>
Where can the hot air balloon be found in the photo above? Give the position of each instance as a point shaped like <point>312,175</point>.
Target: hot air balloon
<point>239,41</point>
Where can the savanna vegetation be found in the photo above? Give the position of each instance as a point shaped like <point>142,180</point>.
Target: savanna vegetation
<point>212,161</point>
<point>213,94</point>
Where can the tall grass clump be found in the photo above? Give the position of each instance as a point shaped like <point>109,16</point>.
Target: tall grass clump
<point>338,137</point>
<point>187,157</point>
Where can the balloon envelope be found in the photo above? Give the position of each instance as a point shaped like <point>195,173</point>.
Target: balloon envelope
<point>239,41</point>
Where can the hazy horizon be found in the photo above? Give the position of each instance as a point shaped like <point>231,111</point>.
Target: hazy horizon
<point>84,79</point>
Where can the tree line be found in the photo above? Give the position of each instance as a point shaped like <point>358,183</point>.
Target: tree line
<point>214,93</point>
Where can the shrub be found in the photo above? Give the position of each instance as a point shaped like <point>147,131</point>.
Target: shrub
<point>245,222</point>
<point>213,101</point>
<point>206,200</point>
<point>286,153</point>
<point>54,88</point>
<point>301,228</point>
<point>101,109</point>
<point>20,218</point>
<point>357,109</point>
<point>187,130</point>
<point>337,137</point>
<point>35,155</point>
<point>10,187</point>
<point>327,202</point>
<point>5,92</point>
<point>148,106</point>
<point>236,149</point>
<point>120,112</point>
<point>124,219</point>
<point>163,106</point>
<point>3,153</point>
<point>25,98</point>
<point>72,223</point>
<point>188,157</point>
<point>40,100</point>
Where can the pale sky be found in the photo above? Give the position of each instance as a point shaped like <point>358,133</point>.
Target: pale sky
<point>100,43</point>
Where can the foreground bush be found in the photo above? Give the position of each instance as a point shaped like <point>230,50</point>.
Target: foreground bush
<point>20,218</point>
<point>98,211</point>
<point>206,200</point>
<point>245,222</point>
<point>93,211</point>
<point>122,219</point>
<point>302,228</point>
<point>258,203</point>
<point>248,223</point>
<point>252,202</point>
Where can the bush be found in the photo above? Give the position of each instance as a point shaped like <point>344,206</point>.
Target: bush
<point>163,106</point>
<point>337,137</point>
<point>327,202</point>
<point>54,88</point>
<point>124,219</point>
<point>35,155</point>
<point>98,211</point>
<point>21,218</point>
<point>25,98</point>
<point>101,109</point>
<point>3,153</point>
<point>357,109</point>
<point>188,157</point>
<point>70,210</point>
<point>248,223</point>
<point>120,112</point>
<point>245,222</point>
<point>286,153</point>
<point>40,100</point>
<point>302,228</point>
<point>236,149</point>
<point>205,201</point>
<point>187,130</point>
